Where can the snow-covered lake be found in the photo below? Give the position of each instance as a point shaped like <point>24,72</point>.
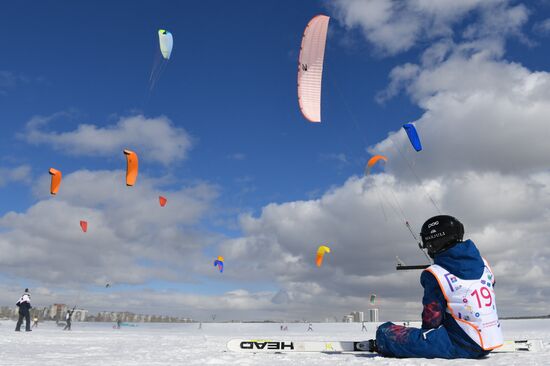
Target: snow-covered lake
<point>185,344</point>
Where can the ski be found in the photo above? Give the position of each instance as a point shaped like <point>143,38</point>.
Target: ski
<point>278,346</point>
<point>529,345</point>
<point>265,346</point>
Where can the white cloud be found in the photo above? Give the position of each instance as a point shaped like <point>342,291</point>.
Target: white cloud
<point>498,21</point>
<point>484,160</point>
<point>483,130</point>
<point>21,173</point>
<point>485,136</point>
<point>9,80</point>
<point>154,139</point>
<point>542,27</point>
<point>399,77</point>
<point>236,304</point>
<point>340,158</point>
<point>395,26</point>
<point>130,238</point>
<point>237,156</point>
<point>505,215</point>
<point>482,114</point>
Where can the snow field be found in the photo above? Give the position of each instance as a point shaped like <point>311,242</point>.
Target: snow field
<point>185,344</point>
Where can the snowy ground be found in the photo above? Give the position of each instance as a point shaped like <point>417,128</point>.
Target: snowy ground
<point>185,344</point>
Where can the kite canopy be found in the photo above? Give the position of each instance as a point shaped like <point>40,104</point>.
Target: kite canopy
<point>162,201</point>
<point>56,180</point>
<point>321,251</point>
<point>219,263</point>
<point>166,43</point>
<point>131,167</point>
<point>372,161</point>
<point>84,225</point>
<point>372,299</point>
<point>413,136</point>
<point>310,67</point>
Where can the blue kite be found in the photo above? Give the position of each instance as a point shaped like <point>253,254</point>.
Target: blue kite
<point>219,264</point>
<point>413,136</point>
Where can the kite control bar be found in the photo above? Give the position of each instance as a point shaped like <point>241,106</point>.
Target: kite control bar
<point>401,267</point>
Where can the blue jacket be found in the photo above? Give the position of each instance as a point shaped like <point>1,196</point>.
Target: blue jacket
<point>464,261</point>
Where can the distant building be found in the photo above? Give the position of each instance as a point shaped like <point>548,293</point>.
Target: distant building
<point>58,311</point>
<point>373,315</point>
<point>354,317</point>
<point>348,319</point>
<point>9,312</point>
<point>80,315</point>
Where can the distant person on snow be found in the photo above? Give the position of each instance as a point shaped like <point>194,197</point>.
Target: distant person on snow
<point>363,327</point>
<point>24,305</point>
<point>68,318</point>
<point>310,328</point>
<point>460,317</point>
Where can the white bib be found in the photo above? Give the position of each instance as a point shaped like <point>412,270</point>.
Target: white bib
<point>472,304</point>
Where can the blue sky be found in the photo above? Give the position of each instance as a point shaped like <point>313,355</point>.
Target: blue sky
<point>231,84</point>
<point>229,92</point>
